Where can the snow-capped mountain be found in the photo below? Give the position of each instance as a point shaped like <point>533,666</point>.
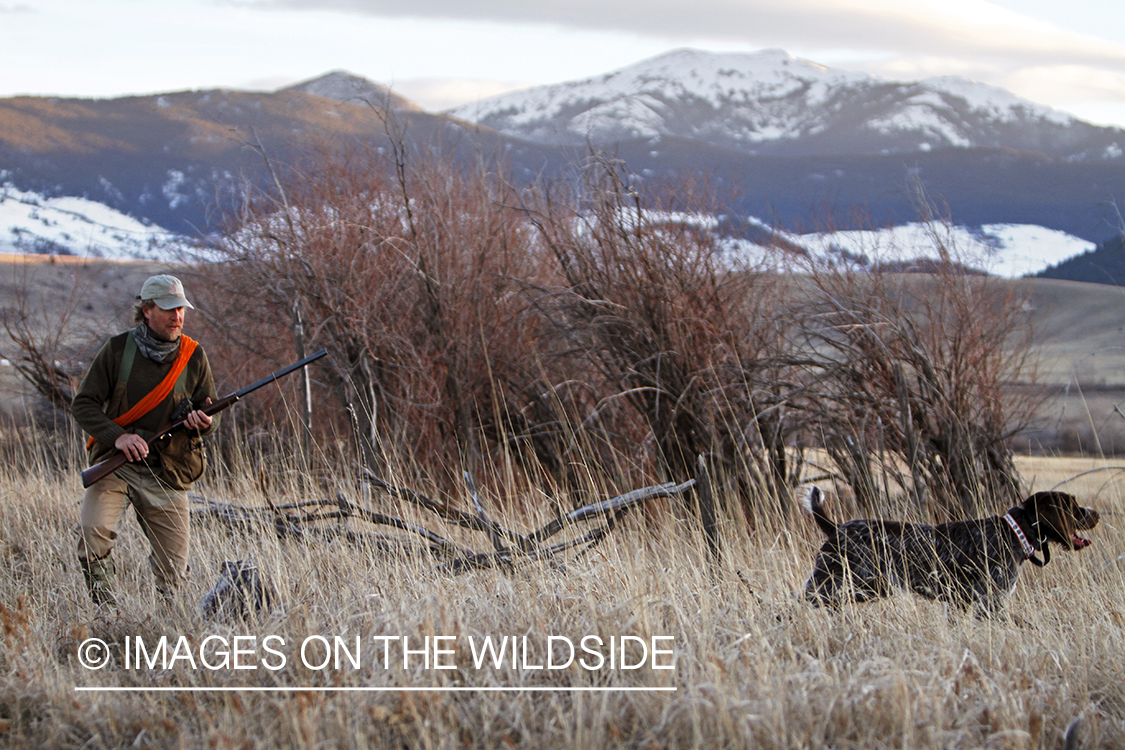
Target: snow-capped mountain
<point>773,103</point>
<point>774,136</point>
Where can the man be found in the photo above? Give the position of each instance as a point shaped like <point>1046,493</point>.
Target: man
<point>141,380</point>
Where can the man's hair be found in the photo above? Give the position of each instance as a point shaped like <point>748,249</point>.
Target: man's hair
<point>139,310</point>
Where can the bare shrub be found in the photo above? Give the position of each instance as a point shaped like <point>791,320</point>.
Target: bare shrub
<point>48,339</point>
<point>543,332</point>
<point>409,273</point>
<point>681,350</point>
<point>467,321</point>
<point>39,339</point>
<point>913,381</point>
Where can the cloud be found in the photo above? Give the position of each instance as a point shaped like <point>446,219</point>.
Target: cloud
<point>1070,83</point>
<point>268,83</point>
<point>899,39</point>
<point>437,94</point>
<point>921,27</point>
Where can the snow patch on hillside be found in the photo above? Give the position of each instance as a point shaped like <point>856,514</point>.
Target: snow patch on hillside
<point>1002,105</point>
<point>1005,250</point>
<point>33,224</point>
<point>639,112</point>
<point>1008,250</point>
<point>921,117</point>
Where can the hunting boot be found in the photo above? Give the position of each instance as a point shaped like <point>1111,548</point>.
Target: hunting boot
<point>100,575</point>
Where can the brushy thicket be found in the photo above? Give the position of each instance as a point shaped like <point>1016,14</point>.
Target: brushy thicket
<point>476,326</point>
<point>562,345</point>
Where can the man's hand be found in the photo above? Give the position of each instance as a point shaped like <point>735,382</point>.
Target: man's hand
<point>132,445</point>
<point>198,420</point>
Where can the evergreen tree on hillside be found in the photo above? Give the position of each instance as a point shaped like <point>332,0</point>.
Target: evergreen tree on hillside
<point>1105,264</point>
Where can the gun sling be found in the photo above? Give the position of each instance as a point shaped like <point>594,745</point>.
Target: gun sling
<point>161,391</point>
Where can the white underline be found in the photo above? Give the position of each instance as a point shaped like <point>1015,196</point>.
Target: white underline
<point>292,689</point>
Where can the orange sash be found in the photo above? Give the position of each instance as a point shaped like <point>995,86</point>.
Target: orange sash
<point>160,392</point>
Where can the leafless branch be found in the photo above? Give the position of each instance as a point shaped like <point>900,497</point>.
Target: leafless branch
<point>299,519</point>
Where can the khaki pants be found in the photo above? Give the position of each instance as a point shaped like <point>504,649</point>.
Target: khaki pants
<point>162,512</point>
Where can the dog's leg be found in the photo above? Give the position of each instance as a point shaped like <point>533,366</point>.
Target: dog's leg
<point>823,586</point>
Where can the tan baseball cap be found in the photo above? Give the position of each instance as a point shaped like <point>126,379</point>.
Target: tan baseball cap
<point>166,291</point>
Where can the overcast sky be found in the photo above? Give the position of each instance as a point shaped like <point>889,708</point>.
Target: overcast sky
<point>1069,55</point>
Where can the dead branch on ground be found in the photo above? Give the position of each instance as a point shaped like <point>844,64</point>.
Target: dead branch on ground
<point>303,520</point>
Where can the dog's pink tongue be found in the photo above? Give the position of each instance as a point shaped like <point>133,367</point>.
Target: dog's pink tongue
<point>1079,542</point>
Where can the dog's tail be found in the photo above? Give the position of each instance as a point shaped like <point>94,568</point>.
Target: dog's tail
<point>811,498</point>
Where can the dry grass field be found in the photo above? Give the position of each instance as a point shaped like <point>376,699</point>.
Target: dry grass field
<point>752,666</point>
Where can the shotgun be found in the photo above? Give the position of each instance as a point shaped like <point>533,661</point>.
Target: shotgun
<point>103,469</point>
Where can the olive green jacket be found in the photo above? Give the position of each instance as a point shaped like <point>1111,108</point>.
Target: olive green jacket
<point>100,398</point>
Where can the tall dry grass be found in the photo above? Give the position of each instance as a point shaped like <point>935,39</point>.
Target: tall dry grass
<point>754,666</point>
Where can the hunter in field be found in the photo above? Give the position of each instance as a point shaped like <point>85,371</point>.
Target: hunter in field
<point>139,381</point>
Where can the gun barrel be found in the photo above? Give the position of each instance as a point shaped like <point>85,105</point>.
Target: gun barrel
<point>103,469</point>
<point>280,373</point>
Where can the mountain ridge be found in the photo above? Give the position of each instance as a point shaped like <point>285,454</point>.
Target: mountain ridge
<point>342,86</point>
<point>169,159</point>
<point>773,103</point>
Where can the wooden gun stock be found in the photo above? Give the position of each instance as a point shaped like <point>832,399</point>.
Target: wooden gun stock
<point>103,469</point>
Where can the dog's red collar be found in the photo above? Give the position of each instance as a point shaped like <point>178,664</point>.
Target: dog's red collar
<point>1027,548</point>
